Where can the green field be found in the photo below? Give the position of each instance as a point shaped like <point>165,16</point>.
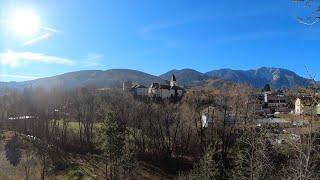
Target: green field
<point>74,126</point>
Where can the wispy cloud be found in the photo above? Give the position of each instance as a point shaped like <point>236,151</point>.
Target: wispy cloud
<point>37,39</point>
<point>48,32</point>
<point>52,30</point>
<point>14,59</point>
<point>93,59</point>
<point>15,76</point>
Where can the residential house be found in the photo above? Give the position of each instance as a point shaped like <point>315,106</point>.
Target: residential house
<point>135,88</point>
<point>269,102</point>
<point>303,105</point>
<point>298,107</point>
<point>207,116</point>
<point>276,102</point>
<point>139,90</point>
<point>258,102</point>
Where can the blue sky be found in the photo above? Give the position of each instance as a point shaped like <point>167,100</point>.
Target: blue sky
<point>157,36</point>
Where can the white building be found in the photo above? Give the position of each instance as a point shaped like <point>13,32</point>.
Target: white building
<point>207,116</point>
<point>298,107</point>
<point>156,90</point>
<point>163,91</point>
<point>303,105</point>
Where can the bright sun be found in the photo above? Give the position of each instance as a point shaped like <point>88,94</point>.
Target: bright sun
<point>25,22</point>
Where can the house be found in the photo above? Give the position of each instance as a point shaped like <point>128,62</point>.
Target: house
<point>303,105</point>
<point>164,91</point>
<point>276,102</point>
<point>258,102</point>
<point>207,116</point>
<point>135,88</point>
<point>298,107</point>
<point>269,102</point>
<point>139,90</point>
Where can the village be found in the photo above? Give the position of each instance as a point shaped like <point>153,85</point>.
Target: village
<point>271,108</point>
<point>72,120</point>
<point>267,102</point>
<point>277,110</point>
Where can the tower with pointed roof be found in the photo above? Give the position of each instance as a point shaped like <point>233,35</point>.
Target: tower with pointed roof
<point>173,81</point>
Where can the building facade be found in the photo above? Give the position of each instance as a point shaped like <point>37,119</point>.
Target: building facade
<point>207,117</point>
<point>303,105</point>
<point>156,90</point>
<point>269,103</point>
<point>298,107</point>
<point>163,91</point>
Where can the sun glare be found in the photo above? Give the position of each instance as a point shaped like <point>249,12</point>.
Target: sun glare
<point>10,58</point>
<point>25,22</point>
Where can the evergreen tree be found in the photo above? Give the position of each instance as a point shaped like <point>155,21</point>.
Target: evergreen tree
<point>206,168</point>
<point>13,152</point>
<point>240,166</point>
<point>112,141</point>
<point>266,88</point>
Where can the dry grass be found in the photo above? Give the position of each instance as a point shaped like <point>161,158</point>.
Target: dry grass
<point>88,166</point>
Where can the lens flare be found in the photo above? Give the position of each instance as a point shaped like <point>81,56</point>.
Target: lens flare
<point>25,23</point>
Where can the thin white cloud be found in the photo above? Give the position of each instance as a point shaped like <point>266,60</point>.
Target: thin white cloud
<point>37,39</point>
<point>93,59</point>
<point>15,76</point>
<point>14,59</point>
<point>52,30</point>
<point>49,32</point>
<point>95,56</point>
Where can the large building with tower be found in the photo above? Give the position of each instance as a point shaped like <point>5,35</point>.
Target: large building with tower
<point>156,90</point>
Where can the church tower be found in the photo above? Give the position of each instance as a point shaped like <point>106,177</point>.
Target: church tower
<point>173,81</point>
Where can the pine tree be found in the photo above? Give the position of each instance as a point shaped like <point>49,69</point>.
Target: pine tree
<point>266,88</point>
<point>112,141</point>
<point>13,151</point>
<point>239,165</point>
<point>206,168</point>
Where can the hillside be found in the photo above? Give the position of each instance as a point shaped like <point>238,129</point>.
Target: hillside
<point>94,78</point>
<point>276,77</point>
<point>186,77</point>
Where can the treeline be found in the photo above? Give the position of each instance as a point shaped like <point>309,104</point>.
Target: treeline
<point>124,130</point>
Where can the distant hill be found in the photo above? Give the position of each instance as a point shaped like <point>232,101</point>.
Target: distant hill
<point>276,77</point>
<point>186,77</point>
<point>94,78</point>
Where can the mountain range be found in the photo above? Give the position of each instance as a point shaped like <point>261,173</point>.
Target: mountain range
<point>276,77</point>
